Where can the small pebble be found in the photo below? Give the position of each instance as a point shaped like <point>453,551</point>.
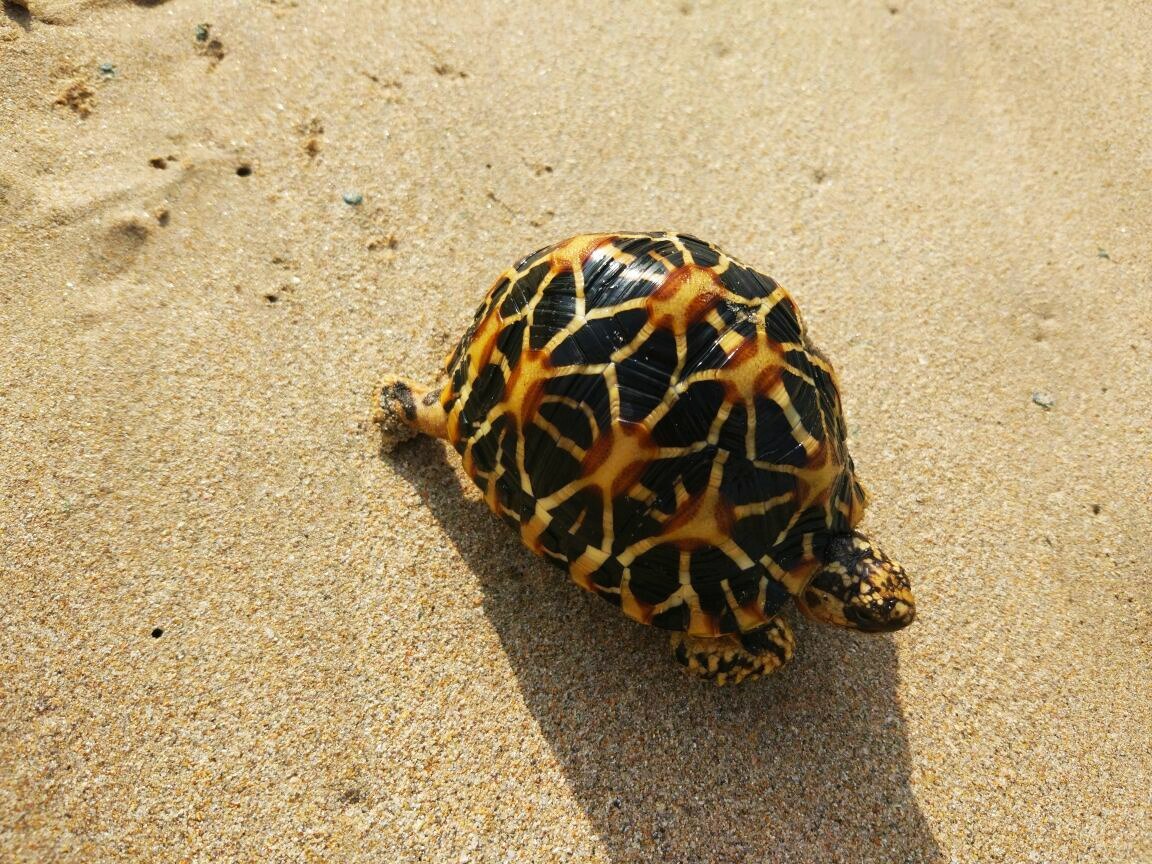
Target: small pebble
<point>1044,400</point>
<point>353,198</point>
<point>201,32</point>
<point>107,70</point>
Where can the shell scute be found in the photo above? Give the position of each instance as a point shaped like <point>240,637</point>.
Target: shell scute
<point>599,337</point>
<point>690,417</point>
<point>644,376</point>
<point>703,254</point>
<point>554,311</point>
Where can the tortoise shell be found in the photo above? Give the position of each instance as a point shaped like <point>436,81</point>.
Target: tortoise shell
<point>651,415</point>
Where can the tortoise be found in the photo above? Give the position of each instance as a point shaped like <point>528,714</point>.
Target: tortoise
<point>651,415</point>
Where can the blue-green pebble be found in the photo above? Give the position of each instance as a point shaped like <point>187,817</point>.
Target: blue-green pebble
<point>353,198</point>
<point>107,70</point>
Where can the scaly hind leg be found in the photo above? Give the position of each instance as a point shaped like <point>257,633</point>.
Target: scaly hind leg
<point>404,410</point>
<point>732,659</point>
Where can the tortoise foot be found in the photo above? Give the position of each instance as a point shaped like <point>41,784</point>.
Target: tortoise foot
<point>733,659</point>
<point>395,412</point>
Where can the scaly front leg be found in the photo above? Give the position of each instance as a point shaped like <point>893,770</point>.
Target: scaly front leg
<point>732,659</point>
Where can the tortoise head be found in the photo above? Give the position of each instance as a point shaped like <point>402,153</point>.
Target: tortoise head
<point>859,587</point>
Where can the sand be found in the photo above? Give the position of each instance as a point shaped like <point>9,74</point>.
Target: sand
<point>232,631</point>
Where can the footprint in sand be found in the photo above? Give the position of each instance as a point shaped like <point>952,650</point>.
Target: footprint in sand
<point>118,244</point>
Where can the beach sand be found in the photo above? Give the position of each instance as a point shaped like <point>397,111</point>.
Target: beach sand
<point>232,631</point>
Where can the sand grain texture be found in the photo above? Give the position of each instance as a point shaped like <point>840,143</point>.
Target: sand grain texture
<point>231,631</point>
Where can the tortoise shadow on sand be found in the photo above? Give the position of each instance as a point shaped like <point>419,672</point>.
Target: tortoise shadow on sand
<point>810,765</point>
